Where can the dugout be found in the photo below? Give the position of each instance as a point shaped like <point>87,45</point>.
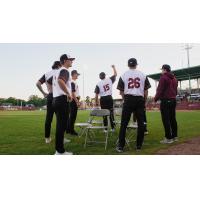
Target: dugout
<point>184,74</point>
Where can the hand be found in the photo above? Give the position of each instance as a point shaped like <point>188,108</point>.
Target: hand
<point>78,104</point>
<point>69,98</point>
<point>45,95</point>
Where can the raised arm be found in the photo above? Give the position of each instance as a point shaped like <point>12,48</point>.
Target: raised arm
<point>114,70</point>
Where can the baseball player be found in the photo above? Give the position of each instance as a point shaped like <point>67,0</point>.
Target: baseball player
<point>133,85</point>
<point>62,97</point>
<point>47,78</point>
<point>75,102</point>
<point>104,89</point>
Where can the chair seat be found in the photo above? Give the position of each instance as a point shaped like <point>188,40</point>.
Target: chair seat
<point>82,124</point>
<point>132,126</point>
<point>97,122</point>
<point>97,127</point>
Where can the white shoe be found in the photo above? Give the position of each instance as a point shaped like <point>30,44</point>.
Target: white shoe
<point>105,131</point>
<point>47,140</point>
<point>175,139</point>
<point>65,153</point>
<point>66,140</point>
<point>167,141</point>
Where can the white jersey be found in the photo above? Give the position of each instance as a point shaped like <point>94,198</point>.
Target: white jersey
<point>47,78</point>
<point>63,74</point>
<point>49,74</point>
<point>105,87</point>
<point>133,82</point>
<point>75,88</point>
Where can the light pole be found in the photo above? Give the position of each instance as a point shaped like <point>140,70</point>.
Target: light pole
<point>187,48</point>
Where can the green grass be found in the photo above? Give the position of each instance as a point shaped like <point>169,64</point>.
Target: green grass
<point>22,133</point>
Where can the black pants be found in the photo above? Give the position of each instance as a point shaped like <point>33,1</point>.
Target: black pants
<point>49,115</point>
<point>73,115</point>
<point>107,103</point>
<point>61,106</point>
<point>168,113</point>
<point>132,104</point>
<point>145,119</point>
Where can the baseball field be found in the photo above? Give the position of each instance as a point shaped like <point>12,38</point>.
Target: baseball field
<point>22,133</point>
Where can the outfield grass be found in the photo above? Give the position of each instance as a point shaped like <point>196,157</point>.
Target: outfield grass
<point>21,133</point>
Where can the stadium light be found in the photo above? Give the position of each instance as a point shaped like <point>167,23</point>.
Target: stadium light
<point>188,47</point>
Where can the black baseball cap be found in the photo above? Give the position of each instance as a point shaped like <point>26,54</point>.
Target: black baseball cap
<point>102,75</point>
<point>65,57</point>
<point>132,62</point>
<point>166,67</point>
<point>56,65</point>
<point>74,72</point>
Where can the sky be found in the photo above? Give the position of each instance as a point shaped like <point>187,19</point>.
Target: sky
<point>22,65</point>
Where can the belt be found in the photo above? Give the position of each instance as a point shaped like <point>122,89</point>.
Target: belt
<point>132,95</point>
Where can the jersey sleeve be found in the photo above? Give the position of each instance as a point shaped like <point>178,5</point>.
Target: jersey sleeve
<point>50,81</point>
<point>64,75</point>
<point>42,79</point>
<point>113,78</point>
<point>120,85</point>
<point>73,87</point>
<point>97,90</point>
<point>147,84</point>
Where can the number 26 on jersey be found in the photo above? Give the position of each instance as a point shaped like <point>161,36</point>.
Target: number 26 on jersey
<point>133,83</point>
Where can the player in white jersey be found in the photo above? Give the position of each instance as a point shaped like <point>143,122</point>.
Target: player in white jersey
<point>62,97</point>
<point>133,86</point>
<point>75,102</point>
<point>104,89</point>
<point>47,78</point>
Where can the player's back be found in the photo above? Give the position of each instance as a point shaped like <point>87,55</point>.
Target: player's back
<point>134,82</point>
<point>105,87</point>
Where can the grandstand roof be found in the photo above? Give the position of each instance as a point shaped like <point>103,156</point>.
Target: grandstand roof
<point>181,74</point>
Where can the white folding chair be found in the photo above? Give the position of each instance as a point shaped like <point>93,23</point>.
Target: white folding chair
<point>89,133</point>
<point>83,127</point>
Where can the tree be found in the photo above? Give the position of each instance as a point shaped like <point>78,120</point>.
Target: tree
<point>36,101</point>
<point>11,100</point>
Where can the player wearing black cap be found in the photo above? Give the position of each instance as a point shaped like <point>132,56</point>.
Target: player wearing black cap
<point>47,78</point>
<point>75,102</point>
<point>133,85</point>
<point>166,93</point>
<point>62,97</point>
<point>104,89</point>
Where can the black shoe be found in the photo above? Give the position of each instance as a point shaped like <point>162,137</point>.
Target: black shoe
<point>138,148</point>
<point>74,133</point>
<point>119,149</point>
<point>67,131</point>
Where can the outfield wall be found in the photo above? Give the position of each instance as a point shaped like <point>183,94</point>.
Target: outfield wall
<point>180,106</point>
<point>16,108</point>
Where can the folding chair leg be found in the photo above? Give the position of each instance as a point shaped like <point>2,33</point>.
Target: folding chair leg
<point>127,142</point>
<point>106,143</point>
<point>82,132</point>
<point>86,135</point>
<point>117,142</point>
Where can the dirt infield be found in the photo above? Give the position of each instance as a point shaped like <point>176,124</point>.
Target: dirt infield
<point>190,147</point>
